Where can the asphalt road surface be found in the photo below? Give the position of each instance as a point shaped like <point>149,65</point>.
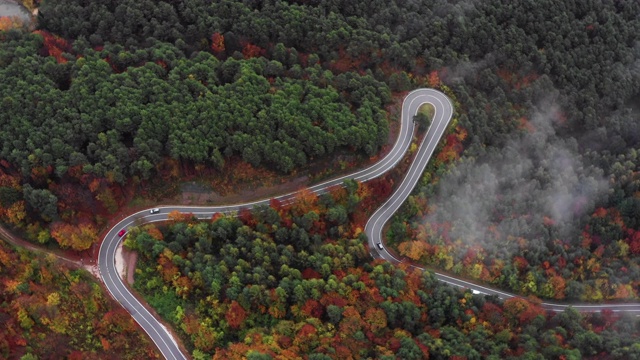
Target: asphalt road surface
<point>412,102</point>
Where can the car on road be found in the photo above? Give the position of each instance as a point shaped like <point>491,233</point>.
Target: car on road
<point>122,232</point>
<point>154,211</point>
<point>380,246</point>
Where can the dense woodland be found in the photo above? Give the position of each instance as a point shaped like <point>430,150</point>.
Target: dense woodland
<point>288,282</point>
<point>549,208</point>
<point>535,190</point>
<point>119,120</point>
<point>74,134</point>
<point>49,311</point>
<point>174,85</point>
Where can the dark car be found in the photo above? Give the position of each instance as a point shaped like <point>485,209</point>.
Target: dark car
<point>122,232</point>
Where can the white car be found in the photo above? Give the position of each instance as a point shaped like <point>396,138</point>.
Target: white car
<point>154,211</point>
<point>380,246</point>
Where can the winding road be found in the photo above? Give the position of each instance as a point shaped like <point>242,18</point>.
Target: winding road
<point>412,102</point>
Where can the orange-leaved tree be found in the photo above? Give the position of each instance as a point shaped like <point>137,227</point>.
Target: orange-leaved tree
<point>236,315</point>
<point>77,237</point>
<point>414,250</point>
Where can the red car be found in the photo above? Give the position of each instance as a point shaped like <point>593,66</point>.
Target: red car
<point>122,232</point>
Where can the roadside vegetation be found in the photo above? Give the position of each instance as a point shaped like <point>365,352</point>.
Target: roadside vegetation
<point>424,117</point>
<point>286,282</point>
<point>534,189</point>
<point>541,198</point>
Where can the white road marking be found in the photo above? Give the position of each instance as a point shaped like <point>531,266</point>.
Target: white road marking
<point>443,108</point>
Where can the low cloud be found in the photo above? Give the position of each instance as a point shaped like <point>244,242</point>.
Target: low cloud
<point>465,69</point>
<point>535,180</point>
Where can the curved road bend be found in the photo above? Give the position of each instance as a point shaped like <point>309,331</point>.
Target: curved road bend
<point>106,257</point>
<point>443,114</point>
<point>373,229</point>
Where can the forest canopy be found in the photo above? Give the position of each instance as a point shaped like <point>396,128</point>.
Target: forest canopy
<point>265,283</point>
<point>117,113</point>
<point>535,190</point>
<point>546,96</point>
<point>50,310</point>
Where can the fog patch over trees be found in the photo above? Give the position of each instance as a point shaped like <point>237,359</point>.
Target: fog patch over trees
<point>537,179</point>
<point>465,69</point>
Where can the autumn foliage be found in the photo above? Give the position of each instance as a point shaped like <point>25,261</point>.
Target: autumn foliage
<point>217,43</point>
<point>414,250</point>
<point>452,146</point>
<point>287,292</point>
<point>50,311</point>
<point>177,216</point>
<point>54,45</point>
<point>235,315</point>
<point>10,22</point>
<point>251,51</point>
<point>76,237</point>
<point>434,79</point>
